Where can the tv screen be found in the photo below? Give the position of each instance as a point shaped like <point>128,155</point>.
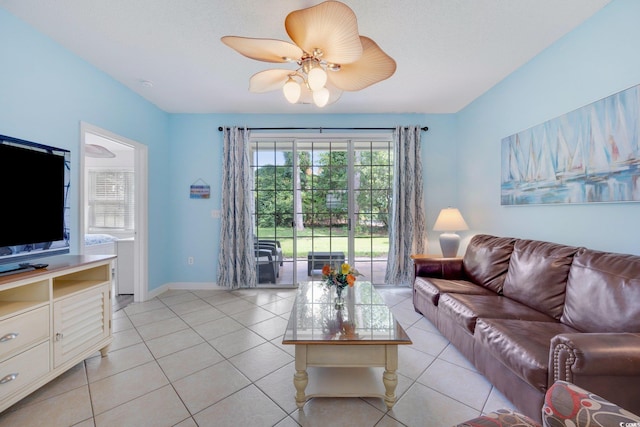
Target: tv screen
<point>33,190</point>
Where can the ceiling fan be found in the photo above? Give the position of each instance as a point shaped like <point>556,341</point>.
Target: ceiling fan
<point>331,55</point>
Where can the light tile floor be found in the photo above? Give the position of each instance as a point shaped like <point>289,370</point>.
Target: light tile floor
<point>215,358</point>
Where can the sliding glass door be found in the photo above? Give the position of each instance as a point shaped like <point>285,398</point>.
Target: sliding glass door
<point>372,191</point>
<point>274,210</point>
<point>321,201</point>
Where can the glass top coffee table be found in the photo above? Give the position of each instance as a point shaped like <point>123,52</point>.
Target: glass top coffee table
<point>347,352</point>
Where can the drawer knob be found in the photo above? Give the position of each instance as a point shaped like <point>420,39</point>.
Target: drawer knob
<point>8,378</point>
<point>59,336</point>
<point>10,336</point>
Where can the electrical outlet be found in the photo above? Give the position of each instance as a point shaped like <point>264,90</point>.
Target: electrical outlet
<point>190,260</point>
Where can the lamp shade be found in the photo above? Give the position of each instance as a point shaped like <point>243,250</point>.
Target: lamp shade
<point>450,219</point>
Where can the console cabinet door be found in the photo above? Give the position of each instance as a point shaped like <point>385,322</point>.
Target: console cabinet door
<point>80,321</point>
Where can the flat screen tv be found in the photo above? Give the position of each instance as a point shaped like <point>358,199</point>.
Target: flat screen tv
<point>34,190</point>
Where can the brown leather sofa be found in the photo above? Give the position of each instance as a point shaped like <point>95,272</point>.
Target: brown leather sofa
<point>527,313</point>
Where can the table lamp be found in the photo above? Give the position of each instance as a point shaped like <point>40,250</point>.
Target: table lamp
<point>450,220</point>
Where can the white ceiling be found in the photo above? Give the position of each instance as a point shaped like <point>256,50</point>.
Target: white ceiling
<point>448,52</point>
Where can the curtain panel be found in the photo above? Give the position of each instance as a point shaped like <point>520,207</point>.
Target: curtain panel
<point>236,261</point>
<point>407,232</point>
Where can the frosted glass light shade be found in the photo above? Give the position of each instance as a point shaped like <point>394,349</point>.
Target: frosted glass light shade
<point>291,90</point>
<point>321,97</point>
<point>316,78</point>
<point>98,151</point>
<point>450,219</point>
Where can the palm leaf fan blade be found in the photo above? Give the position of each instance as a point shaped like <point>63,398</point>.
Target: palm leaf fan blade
<point>267,50</point>
<point>268,80</point>
<point>373,67</point>
<point>331,26</point>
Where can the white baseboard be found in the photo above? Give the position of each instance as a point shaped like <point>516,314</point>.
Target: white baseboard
<point>187,286</point>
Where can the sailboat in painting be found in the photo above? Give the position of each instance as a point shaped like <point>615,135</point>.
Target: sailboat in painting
<point>514,160</point>
<point>599,155</point>
<point>570,163</point>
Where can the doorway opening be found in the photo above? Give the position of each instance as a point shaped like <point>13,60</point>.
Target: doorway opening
<point>113,217</point>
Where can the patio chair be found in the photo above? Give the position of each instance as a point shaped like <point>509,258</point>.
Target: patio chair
<point>276,245</point>
<point>266,265</point>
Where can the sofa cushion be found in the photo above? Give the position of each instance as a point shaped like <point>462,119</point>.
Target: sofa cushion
<point>466,309</point>
<point>521,345</point>
<point>603,292</point>
<point>538,274</point>
<point>431,288</point>
<point>486,260</point>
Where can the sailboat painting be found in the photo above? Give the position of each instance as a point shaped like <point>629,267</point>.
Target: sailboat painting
<point>589,155</point>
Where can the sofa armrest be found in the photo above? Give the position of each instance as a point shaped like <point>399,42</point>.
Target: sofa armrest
<point>441,268</point>
<point>578,354</point>
<point>607,364</point>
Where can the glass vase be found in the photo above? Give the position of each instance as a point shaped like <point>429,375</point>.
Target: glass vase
<point>339,301</point>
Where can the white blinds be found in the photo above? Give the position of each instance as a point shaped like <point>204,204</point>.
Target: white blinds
<point>111,199</point>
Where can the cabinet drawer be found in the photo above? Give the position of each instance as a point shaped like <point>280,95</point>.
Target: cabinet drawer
<point>24,368</point>
<point>20,332</point>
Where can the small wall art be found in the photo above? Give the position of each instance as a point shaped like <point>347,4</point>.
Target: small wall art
<point>200,190</point>
<point>590,155</point>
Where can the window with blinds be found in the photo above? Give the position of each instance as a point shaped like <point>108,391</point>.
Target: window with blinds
<point>111,200</point>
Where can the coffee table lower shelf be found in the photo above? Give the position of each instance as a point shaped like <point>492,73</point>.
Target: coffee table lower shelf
<point>346,371</point>
<point>345,382</point>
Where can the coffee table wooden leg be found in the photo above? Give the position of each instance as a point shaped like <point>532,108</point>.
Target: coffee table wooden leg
<point>390,380</point>
<point>300,378</point>
<point>389,377</point>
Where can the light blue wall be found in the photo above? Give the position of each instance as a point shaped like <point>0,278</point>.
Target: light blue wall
<point>597,59</point>
<point>196,154</point>
<point>46,91</point>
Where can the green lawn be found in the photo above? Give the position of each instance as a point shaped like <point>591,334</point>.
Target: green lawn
<point>317,239</point>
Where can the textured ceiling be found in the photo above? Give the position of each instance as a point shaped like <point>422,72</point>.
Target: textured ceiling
<point>448,52</point>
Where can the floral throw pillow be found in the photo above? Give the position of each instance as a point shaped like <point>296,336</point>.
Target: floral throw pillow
<point>567,405</point>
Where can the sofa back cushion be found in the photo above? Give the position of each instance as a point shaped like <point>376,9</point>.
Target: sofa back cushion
<point>537,275</point>
<point>486,260</point>
<point>603,292</point>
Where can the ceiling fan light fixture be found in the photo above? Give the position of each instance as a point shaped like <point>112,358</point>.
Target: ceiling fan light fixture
<point>316,78</point>
<point>321,97</point>
<point>325,38</point>
<point>292,90</point>
<point>98,151</point>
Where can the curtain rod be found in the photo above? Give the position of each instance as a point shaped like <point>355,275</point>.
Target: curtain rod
<point>425,128</point>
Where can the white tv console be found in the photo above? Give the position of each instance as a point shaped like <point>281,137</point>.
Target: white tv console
<point>51,319</point>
